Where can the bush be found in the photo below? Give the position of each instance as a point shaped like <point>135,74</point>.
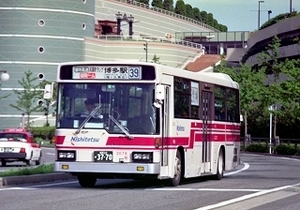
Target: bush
<point>284,149</point>
<point>41,169</point>
<point>257,148</point>
<point>45,133</point>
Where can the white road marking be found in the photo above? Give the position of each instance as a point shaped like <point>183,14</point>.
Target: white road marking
<point>246,166</point>
<point>206,189</point>
<point>245,197</point>
<point>48,153</point>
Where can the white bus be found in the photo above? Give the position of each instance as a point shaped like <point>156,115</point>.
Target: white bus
<point>173,123</point>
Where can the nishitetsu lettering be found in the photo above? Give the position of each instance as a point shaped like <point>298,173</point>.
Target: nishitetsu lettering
<point>84,139</point>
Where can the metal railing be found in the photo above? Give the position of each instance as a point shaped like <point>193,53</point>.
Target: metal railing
<point>246,141</point>
<point>153,39</point>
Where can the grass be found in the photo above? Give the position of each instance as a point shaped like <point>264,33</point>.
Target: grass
<point>42,169</point>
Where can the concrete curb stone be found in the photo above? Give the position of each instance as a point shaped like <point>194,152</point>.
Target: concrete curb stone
<point>36,178</point>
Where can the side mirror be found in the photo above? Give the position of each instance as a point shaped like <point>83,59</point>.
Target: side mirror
<point>160,92</point>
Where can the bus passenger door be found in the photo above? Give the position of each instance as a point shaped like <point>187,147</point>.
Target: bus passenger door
<point>206,112</point>
<point>165,126</point>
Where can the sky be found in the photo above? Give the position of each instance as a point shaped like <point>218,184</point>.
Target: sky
<point>242,15</point>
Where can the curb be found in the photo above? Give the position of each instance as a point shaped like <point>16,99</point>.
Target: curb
<point>36,178</point>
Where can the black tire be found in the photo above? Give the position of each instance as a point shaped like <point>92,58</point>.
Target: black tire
<point>177,170</point>
<point>29,162</point>
<point>220,166</point>
<point>38,162</point>
<point>3,163</point>
<point>86,181</point>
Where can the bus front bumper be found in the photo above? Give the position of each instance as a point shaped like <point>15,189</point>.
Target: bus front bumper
<point>107,168</point>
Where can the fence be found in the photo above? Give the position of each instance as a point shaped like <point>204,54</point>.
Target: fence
<point>246,141</point>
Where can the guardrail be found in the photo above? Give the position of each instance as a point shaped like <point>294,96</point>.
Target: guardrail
<point>274,141</point>
<point>150,39</point>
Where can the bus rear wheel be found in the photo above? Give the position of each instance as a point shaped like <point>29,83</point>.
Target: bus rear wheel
<point>86,181</point>
<point>220,166</point>
<point>177,169</point>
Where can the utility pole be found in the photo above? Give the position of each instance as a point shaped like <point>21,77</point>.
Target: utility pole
<point>259,13</point>
<point>146,49</point>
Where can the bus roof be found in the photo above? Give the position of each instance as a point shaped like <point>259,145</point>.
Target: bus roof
<point>209,77</point>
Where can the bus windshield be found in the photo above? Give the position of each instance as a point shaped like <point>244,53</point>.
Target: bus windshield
<point>110,106</point>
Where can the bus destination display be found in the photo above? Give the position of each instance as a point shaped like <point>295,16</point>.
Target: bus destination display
<point>107,72</point>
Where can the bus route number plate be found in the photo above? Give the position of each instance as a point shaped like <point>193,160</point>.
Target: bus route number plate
<point>103,156</point>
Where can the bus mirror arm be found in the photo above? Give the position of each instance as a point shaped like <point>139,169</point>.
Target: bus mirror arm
<point>158,103</point>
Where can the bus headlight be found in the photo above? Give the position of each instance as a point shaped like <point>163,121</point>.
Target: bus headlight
<point>66,155</point>
<point>142,157</point>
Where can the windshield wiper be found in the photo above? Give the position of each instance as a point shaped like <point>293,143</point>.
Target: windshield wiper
<point>87,119</point>
<point>121,127</point>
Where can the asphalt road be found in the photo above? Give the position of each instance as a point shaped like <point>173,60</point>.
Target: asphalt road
<point>261,182</point>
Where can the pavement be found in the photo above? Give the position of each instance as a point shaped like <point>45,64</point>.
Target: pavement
<point>32,179</point>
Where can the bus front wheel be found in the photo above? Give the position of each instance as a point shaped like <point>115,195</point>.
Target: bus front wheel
<point>177,169</point>
<point>86,181</point>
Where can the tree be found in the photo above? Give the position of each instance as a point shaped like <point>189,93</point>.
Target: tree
<point>155,59</point>
<point>157,3</point>
<point>27,97</point>
<point>189,11</point>
<point>168,5</point>
<point>143,1</point>
<point>197,14</point>
<point>203,15</point>
<point>180,8</point>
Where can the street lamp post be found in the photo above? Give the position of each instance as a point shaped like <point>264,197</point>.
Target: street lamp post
<point>259,12</point>
<point>271,109</point>
<point>130,19</point>
<point>4,75</point>
<point>269,12</point>
<point>119,18</point>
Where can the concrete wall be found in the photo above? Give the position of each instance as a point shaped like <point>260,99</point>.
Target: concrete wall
<point>36,36</point>
<point>169,54</point>
<point>284,28</point>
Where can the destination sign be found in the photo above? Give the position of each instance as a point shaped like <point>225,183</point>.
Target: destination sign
<point>107,72</point>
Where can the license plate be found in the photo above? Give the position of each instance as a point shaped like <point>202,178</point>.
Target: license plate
<point>103,156</point>
<point>6,149</point>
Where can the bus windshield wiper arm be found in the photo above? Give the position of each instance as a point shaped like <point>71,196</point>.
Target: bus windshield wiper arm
<point>87,119</point>
<point>120,126</point>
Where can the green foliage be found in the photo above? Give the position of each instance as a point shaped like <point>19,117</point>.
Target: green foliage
<point>189,11</point>
<point>27,97</point>
<point>168,5</point>
<point>157,3</point>
<point>155,59</point>
<point>279,18</point>
<point>261,148</point>
<point>44,133</point>
<point>284,149</point>
<point>143,1</point>
<point>180,8</point>
<point>42,169</point>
